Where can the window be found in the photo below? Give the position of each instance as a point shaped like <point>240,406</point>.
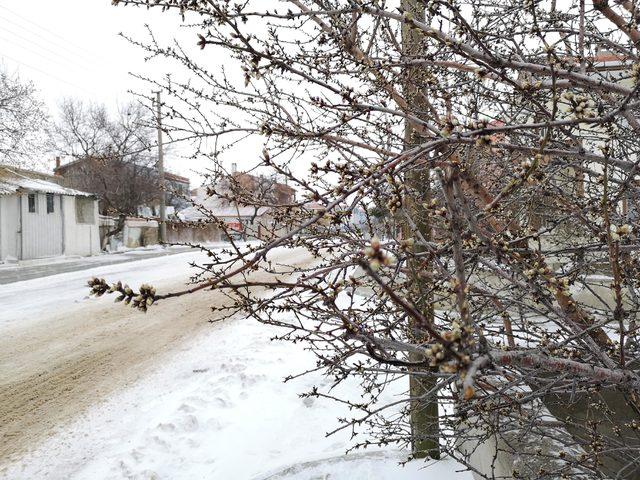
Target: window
<point>85,212</point>
<point>32,202</point>
<point>50,199</point>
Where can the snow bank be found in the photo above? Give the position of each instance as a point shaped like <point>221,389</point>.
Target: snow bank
<point>218,411</point>
<point>380,465</point>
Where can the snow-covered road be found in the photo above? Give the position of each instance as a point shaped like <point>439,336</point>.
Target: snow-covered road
<point>94,391</point>
<point>26,302</point>
<point>61,352</point>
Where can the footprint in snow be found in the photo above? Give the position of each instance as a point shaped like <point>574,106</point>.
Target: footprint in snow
<point>166,427</point>
<point>188,423</point>
<point>124,468</point>
<point>214,424</point>
<point>250,380</point>
<point>137,455</point>
<point>221,402</point>
<point>147,475</point>
<point>186,408</point>
<point>232,367</point>
<point>161,443</point>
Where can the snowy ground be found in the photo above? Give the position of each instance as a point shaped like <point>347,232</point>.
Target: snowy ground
<point>213,406</point>
<point>217,410</point>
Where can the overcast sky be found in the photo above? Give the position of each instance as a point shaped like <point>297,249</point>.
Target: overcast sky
<point>71,48</point>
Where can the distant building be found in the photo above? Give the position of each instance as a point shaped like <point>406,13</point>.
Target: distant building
<point>177,191</point>
<point>127,186</point>
<point>39,218</point>
<point>247,204</point>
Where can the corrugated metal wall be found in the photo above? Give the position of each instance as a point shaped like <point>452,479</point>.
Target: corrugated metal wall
<point>9,226</point>
<point>41,231</point>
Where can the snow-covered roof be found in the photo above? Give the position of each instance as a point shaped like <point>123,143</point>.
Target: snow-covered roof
<point>220,208</point>
<point>14,180</point>
<point>194,213</point>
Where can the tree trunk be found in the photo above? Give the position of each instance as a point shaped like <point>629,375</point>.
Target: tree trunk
<point>119,227</point>
<point>425,429</point>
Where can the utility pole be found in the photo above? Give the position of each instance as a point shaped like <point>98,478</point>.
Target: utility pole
<point>160,166</point>
<point>424,419</point>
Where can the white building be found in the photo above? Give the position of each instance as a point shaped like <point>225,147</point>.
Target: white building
<point>39,218</point>
<point>240,219</point>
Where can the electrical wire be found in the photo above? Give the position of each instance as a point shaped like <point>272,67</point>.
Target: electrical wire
<point>72,45</point>
<point>46,73</point>
<point>40,46</point>
<point>43,55</point>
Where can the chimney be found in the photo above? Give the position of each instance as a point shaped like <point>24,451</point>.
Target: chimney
<point>234,168</point>
<point>57,163</point>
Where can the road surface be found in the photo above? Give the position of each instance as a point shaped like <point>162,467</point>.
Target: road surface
<point>61,352</point>
<point>30,270</point>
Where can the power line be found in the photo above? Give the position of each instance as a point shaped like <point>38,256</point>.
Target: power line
<point>68,60</point>
<point>35,52</point>
<point>47,30</point>
<point>47,73</point>
<point>48,40</point>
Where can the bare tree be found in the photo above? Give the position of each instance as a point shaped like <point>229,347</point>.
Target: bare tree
<point>510,156</point>
<point>111,156</point>
<point>23,121</point>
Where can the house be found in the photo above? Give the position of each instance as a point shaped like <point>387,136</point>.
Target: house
<point>124,187</point>
<point>247,204</point>
<point>39,218</point>
<point>177,191</point>
<point>577,103</point>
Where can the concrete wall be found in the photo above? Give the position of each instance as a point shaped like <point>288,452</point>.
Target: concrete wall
<point>521,450</point>
<point>140,232</point>
<point>192,232</point>
<point>80,238</point>
<point>137,232</point>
